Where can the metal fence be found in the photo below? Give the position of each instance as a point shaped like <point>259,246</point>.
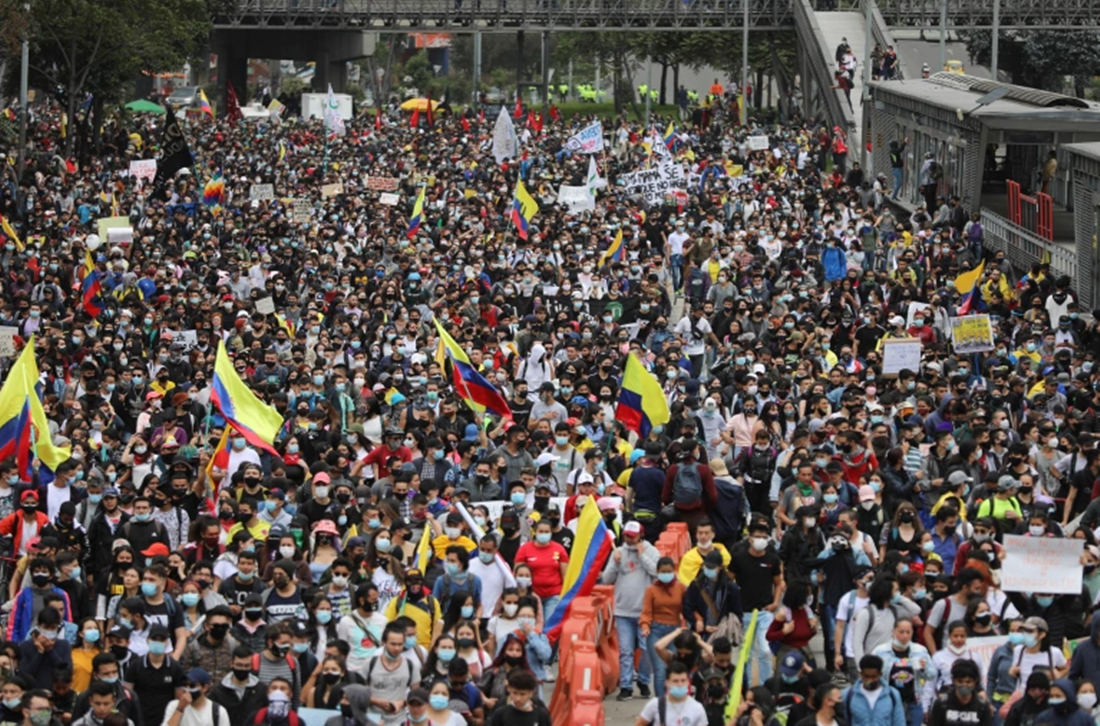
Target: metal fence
<point>819,63</point>
<point>1024,249</point>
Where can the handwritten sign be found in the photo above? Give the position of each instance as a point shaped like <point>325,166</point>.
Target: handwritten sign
<point>389,199</point>
<point>758,143</point>
<point>261,192</point>
<point>983,648</point>
<point>588,140</point>
<point>302,210</point>
<point>265,306</point>
<point>143,169</point>
<point>381,183</point>
<point>654,184</point>
<point>331,190</point>
<point>972,334</point>
<point>1042,564</point>
<point>900,353</point>
<point>7,340</point>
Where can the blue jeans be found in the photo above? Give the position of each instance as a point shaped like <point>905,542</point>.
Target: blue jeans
<point>899,175</point>
<point>630,637</point>
<point>676,262</point>
<point>914,714</point>
<point>656,632</point>
<point>548,606</point>
<point>828,632</point>
<point>762,653</point>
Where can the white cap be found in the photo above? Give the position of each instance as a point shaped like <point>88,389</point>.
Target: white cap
<point>545,458</point>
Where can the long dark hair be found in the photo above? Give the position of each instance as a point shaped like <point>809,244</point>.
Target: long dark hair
<point>499,661</point>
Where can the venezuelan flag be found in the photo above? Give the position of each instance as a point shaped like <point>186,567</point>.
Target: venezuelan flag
<point>254,419</point>
<point>418,214</point>
<point>204,104</point>
<point>90,294</point>
<point>9,232</point>
<point>615,252</point>
<point>524,208</point>
<point>479,394</point>
<point>24,427</point>
<point>967,285</point>
<point>642,404</point>
<point>591,548</point>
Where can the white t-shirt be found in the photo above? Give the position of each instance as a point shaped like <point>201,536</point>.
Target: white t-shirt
<point>849,617</point>
<point>1051,658</point>
<point>198,716</point>
<point>688,712</point>
<point>694,334</point>
<point>676,242</point>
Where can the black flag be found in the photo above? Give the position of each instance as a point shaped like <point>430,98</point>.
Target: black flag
<point>174,155</point>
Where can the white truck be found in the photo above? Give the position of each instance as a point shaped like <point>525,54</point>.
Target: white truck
<point>313,105</point>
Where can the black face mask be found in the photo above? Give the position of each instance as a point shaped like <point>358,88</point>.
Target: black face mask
<point>254,613</point>
<point>40,579</point>
<point>121,652</point>
<point>513,660</point>
<point>331,678</point>
<point>242,674</point>
<point>715,691</point>
<point>30,509</point>
<point>219,631</point>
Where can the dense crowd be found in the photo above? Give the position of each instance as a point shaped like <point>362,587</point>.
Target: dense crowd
<point>171,572</point>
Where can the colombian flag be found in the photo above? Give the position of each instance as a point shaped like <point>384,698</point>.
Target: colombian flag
<point>254,419</point>
<point>671,141</point>
<point>204,104</point>
<point>967,285</point>
<point>615,252</point>
<point>417,215</point>
<point>24,429</point>
<point>524,208</point>
<point>479,394</point>
<point>591,548</point>
<point>642,404</point>
<point>90,294</point>
<point>9,232</point>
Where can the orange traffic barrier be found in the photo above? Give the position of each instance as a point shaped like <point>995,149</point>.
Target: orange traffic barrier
<point>588,710</point>
<point>607,642</point>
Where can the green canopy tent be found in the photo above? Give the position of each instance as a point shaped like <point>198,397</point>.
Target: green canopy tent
<point>143,106</point>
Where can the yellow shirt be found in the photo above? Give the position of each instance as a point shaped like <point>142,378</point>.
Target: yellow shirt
<point>258,531</point>
<point>82,668</point>
<point>442,542</point>
<point>693,560</point>
<point>424,613</point>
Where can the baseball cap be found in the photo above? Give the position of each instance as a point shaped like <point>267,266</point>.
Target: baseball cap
<point>866,493</point>
<point>792,664</point>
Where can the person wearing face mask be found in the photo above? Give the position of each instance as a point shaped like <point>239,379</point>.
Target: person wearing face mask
<point>631,569</point>
<point>1086,657</point>
<point>961,703</point>
<point>239,692</point>
<point>30,602</point>
<point>155,675</point>
<point>43,649</point>
<point>955,650</point>
<point>678,707</point>
<point>192,707</point>
<point>871,702</point>
<point>212,649</point>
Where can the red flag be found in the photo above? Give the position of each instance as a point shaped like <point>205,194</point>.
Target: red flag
<point>232,107</point>
<point>431,121</point>
<point>538,123</point>
<point>481,116</point>
<point>518,113</point>
<point>378,120</point>
<point>530,122</point>
<point>415,120</point>
<point>466,124</point>
<point>554,113</point>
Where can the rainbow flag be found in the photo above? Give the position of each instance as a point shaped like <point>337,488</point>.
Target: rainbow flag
<point>418,214</point>
<point>642,403</point>
<point>967,285</point>
<point>254,419</point>
<point>615,252</point>
<point>213,193</point>
<point>204,104</point>
<point>479,394</point>
<point>591,548</point>
<point>524,209</point>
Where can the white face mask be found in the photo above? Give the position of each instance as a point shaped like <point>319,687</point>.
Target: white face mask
<point>760,543</point>
<point>1037,530</point>
<point>1086,700</point>
<point>510,609</point>
<point>287,551</point>
<point>868,505</point>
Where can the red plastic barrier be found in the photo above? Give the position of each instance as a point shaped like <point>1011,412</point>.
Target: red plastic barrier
<point>589,709</point>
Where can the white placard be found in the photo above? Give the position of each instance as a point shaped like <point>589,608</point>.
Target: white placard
<point>505,141</point>
<point>261,192</point>
<point>578,199</point>
<point>983,648</point>
<point>1048,565</point>
<point>389,199</point>
<point>265,306</point>
<point>120,235</point>
<point>758,143</point>
<point>588,140</point>
<point>900,353</point>
<point>189,339</point>
<point>302,211</point>
<point>143,169</point>
<point>331,190</point>
<point>7,340</point>
<point>653,184</point>
<point>914,308</point>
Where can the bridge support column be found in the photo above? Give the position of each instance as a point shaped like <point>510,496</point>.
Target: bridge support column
<point>232,67</point>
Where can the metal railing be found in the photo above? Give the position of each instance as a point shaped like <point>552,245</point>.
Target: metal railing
<point>883,38</point>
<point>978,14</point>
<point>821,65</point>
<point>501,15</point>
<point>1024,249</point>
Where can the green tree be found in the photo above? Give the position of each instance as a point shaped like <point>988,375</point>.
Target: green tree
<point>1040,58</point>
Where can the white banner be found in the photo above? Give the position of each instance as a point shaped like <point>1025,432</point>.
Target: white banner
<point>758,143</point>
<point>505,143</point>
<point>578,199</point>
<point>588,140</point>
<point>653,184</point>
<point>389,199</point>
<point>899,353</point>
<point>1047,565</point>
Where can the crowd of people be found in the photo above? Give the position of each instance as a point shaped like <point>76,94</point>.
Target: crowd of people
<point>171,572</point>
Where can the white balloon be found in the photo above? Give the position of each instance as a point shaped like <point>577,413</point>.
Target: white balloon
<point>92,242</point>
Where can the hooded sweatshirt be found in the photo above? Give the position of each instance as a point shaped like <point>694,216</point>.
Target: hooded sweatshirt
<point>1064,714</point>
<point>1086,659</point>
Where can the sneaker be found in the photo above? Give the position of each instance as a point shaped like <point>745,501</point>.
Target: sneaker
<point>625,695</point>
<point>644,690</point>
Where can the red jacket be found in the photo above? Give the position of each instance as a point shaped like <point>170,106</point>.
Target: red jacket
<point>706,477</point>
<point>12,526</point>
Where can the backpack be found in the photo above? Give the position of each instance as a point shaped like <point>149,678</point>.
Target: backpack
<point>290,661</point>
<point>370,669</point>
<point>871,620</point>
<point>687,489</point>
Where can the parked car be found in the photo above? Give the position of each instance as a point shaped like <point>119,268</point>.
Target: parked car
<point>184,97</point>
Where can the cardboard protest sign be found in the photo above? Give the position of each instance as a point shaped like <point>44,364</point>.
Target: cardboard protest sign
<point>1045,565</point>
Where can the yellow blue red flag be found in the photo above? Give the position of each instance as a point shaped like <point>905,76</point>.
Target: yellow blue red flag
<point>417,217</point>
<point>524,209</point>
<point>642,403</point>
<point>24,428</point>
<point>479,394</point>
<point>591,548</point>
<point>257,422</point>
